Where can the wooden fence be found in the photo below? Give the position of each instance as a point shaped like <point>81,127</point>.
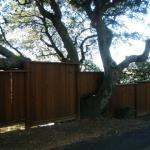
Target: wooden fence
<point>42,93</point>
<point>52,92</point>
<point>123,95</point>
<point>12,96</point>
<point>45,92</point>
<point>89,82</point>
<point>143,98</point>
<point>136,96</point>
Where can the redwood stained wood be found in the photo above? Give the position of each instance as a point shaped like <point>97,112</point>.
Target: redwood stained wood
<point>51,93</point>
<point>123,96</point>
<point>46,92</point>
<point>5,98</point>
<point>12,107</point>
<point>18,96</point>
<point>143,98</point>
<point>89,82</point>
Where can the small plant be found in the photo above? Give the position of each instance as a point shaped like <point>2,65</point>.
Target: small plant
<point>124,112</point>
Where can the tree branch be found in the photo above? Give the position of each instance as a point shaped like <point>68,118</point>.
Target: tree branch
<point>44,12</point>
<point>88,10</point>
<point>84,52</point>
<point>53,45</point>
<point>5,52</point>
<point>82,47</point>
<point>8,43</point>
<point>88,37</point>
<point>55,8</point>
<point>11,60</point>
<point>62,31</point>
<point>76,38</point>
<point>136,58</point>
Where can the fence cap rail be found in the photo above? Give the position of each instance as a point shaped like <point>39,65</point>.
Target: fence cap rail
<point>51,63</point>
<point>128,84</point>
<point>15,71</point>
<point>94,72</point>
<point>146,81</point>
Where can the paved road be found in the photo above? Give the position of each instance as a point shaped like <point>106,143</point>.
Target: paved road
<point>136,140</point>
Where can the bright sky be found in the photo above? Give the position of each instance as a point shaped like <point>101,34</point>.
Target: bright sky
<point>120,51</point>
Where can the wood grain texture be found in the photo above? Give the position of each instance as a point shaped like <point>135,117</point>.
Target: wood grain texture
<point>46,92</point>
<point>89,82</point>
<point>51,92</point>
<point>12,96</point>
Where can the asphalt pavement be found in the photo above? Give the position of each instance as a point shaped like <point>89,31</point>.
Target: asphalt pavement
<point>134,140</point>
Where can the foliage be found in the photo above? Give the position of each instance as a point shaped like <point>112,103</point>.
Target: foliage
<point>39,36</point>
<point>124,112</point>
<point>90,66</point>
<point>136,72</point>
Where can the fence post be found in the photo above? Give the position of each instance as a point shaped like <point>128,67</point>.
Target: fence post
<point>27,97</point>
<point>77,78</point>
<point>135,100</point>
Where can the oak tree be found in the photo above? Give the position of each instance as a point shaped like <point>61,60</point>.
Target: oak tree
<point>50,17</point>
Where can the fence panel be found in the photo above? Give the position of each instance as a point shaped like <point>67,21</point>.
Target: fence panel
<point>52,92</point>
<point>143,98</point>
<point>18,96</point>
<point>89,82</point>
<point>123,96</point>
<point>49,92</point>
<point>5,97</point>
<point>12,96</point>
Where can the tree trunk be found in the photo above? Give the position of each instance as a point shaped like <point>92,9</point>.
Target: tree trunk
<point>95,106</point>
<point>68,43</point>
<point>105,90</point>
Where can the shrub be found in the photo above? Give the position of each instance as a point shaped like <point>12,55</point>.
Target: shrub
<point>124,112</point>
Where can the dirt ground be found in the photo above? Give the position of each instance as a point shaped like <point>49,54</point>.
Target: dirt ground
<point>49,137</point>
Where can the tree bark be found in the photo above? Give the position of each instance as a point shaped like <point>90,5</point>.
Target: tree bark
<point>9,60</point>
<point>68,43</point>
<point>105,37</point>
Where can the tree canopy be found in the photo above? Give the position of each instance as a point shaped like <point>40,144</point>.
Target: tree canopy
<point>42,36</point>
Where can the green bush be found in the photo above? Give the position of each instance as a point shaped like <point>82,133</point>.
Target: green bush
<point>124,112</point>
